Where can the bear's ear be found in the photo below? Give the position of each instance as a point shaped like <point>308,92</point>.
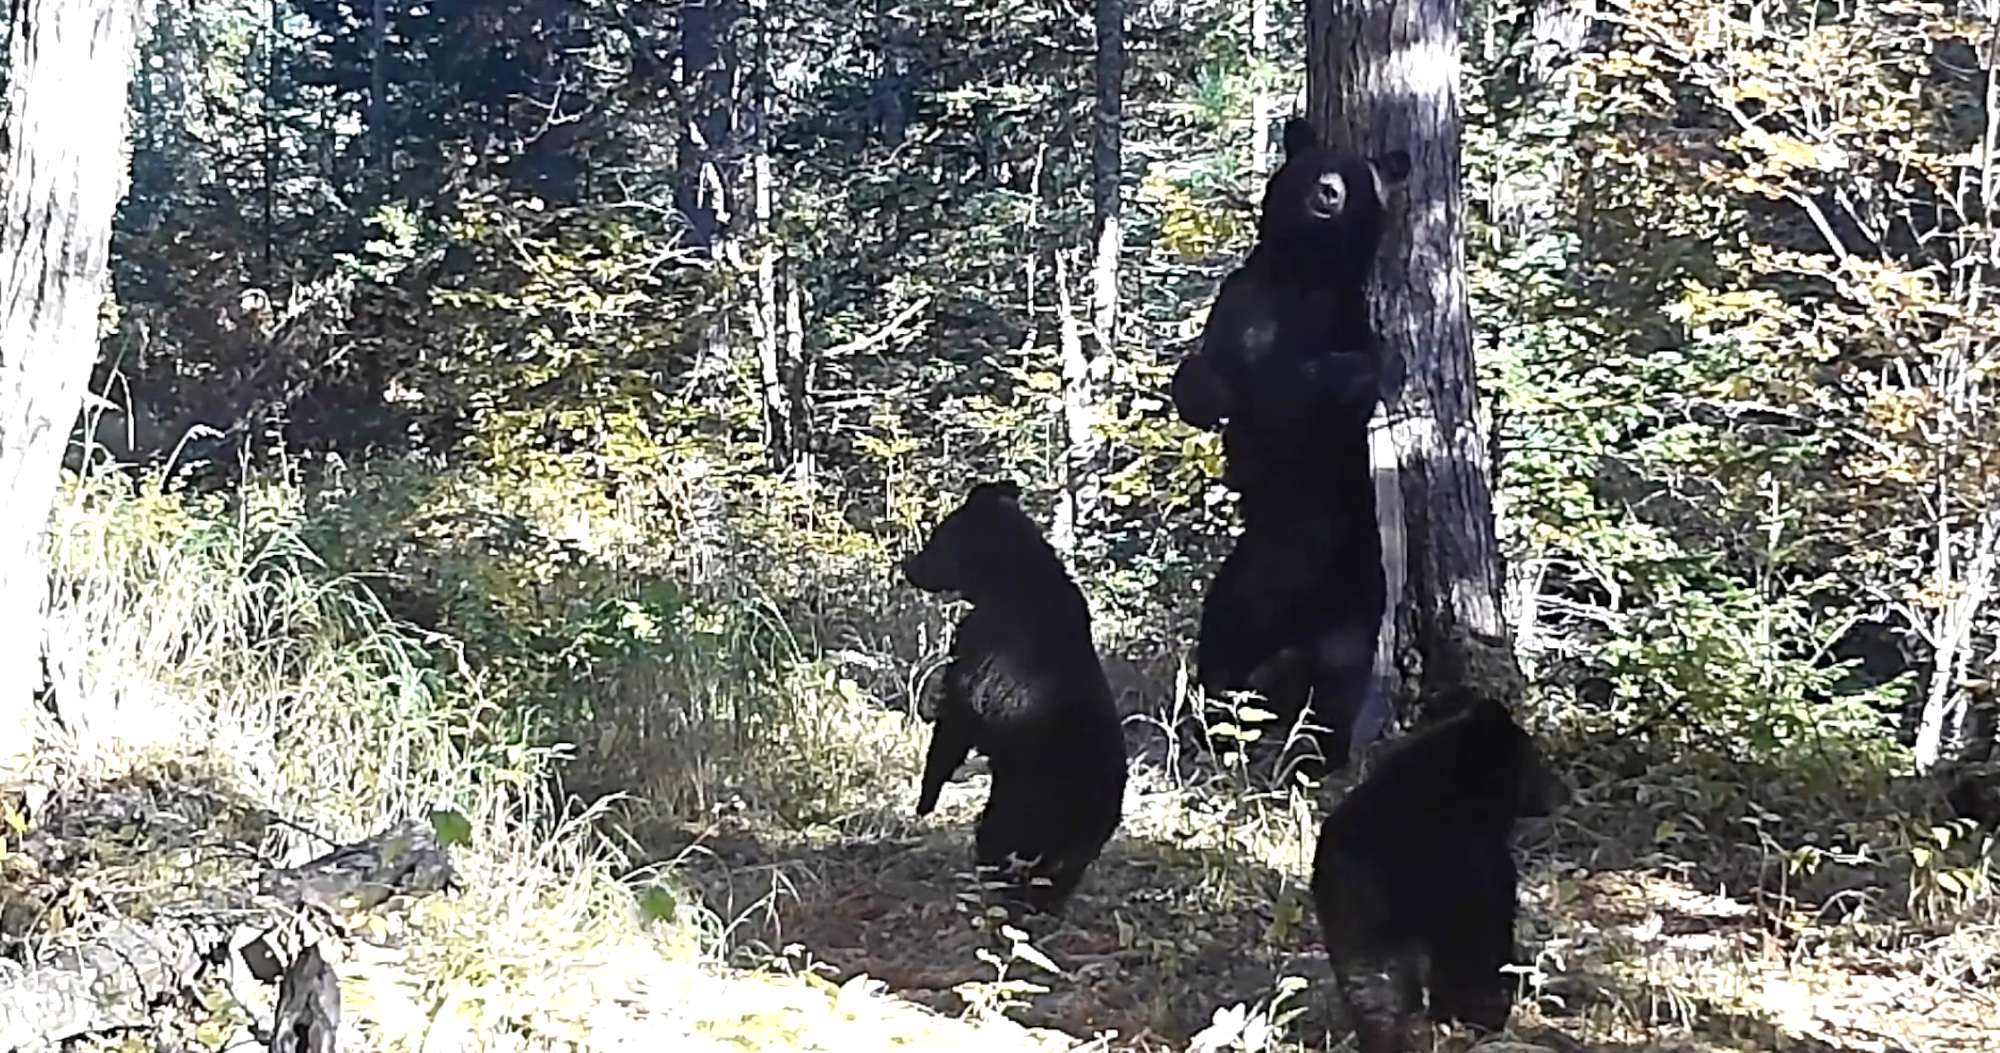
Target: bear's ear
<point>1000,489</point>
<point>1299,137</point>
<point>1392,168</point>
<point>1485,709</point>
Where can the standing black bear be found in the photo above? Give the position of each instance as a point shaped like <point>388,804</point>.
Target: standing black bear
<point>1289,359</point>
<point>1025,688</point>
<point>1415,867</point>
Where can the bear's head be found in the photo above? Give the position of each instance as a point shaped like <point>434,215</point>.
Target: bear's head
<point>1328,202</point>
<point>1501,766</point>
<point>982,545</point>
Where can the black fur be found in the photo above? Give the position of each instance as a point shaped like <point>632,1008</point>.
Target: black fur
<point>1025,688</point>
<point>1415,869</point>
<point>1289,368</point>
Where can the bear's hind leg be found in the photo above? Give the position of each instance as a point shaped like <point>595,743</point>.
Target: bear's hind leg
<point>1379,990</point>
<point>1468,951</point>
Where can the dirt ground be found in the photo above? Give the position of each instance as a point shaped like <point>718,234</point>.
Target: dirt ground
<point>1190,932</point>
<point>1172,926</point>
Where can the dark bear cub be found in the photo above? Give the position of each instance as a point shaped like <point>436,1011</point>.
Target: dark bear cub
<point>1025,688</point>
<point>1290,369</point>
<point>1414,877</point>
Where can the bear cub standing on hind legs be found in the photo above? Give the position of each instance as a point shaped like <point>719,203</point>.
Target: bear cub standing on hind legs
<point>1025,688</point>
<point>1414,878</point>
<point>1289,359</point>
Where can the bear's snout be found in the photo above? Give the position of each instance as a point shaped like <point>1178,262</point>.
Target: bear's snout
<point>919,572</point>
<point>1329,195</point>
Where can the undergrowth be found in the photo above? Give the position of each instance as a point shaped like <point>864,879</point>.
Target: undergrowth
<point>573,673</point>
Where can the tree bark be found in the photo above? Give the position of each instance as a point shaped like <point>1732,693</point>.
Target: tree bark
<point>1260,106</point>
<point>272,66</point>
<point>707,166</point>
<point>1074,357</point>
<point>798,381</point>
<point>108,984</point>
<point>1556,32</point>
<point>1086,365</point>
<point>125,975</point>
<point>1383,74</point>
<point>308,1015</point>
<point>1947,723</point>
<point>777,425</point>
<point>378,87</point>
<point>1107,170</point>
<point>708,94</point>
<point>69,64</point>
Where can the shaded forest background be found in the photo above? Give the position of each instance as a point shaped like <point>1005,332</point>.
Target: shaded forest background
<point>788,277</point>
<point>532,390</point>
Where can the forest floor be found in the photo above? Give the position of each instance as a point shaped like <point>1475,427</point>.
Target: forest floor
<point>1180,923</point>
<point>866,933</point>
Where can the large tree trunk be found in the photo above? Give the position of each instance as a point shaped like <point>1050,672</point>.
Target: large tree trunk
<point>708,93</point>
<point>1107,171</point>
<point>1948,724</point>
<point>273,67</point>
<point>69,62</point>
<point>1383,74</point>
<point>707,165</point>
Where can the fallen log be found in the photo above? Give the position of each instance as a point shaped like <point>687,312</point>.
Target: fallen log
<point>120,974</point>
<point>404,859</point>
<point>113,981</point>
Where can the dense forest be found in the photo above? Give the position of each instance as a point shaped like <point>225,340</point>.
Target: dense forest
<point>504,420</point>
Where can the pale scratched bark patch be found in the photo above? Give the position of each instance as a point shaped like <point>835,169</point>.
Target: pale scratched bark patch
<point>1429,64</point>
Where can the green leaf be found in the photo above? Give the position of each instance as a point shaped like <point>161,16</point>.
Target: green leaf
<point>658,903</point>
<point>451,827</point>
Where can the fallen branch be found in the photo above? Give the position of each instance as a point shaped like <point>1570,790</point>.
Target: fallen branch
<point>403,859</point>
<point>110,982</point>
<point>119,976</point>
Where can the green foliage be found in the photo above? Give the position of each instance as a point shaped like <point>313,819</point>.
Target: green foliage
<point>1737,414</point>
<point>452,828</point>
<point>657,903</point>
<point>215,629</point>
<point>628,383</point>
<point>548,420</point>
<point>504,317</point>
<point>1668,366</point>
<point>1951,869</point>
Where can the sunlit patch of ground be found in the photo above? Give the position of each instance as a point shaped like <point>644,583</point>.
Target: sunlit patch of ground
<point>1159,936</point>
<point>534,953</point>
<point>626,995</point>
<point>1639,961</point>
<point>1193,909</point>
<point>867,934</point>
